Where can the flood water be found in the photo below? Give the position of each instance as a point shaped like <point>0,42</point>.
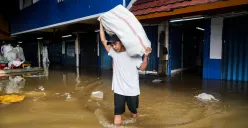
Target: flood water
<point>62,99</point>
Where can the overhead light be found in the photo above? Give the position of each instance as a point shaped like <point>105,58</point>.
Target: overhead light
<point>66,36</point>
<point>19,42</point>
<point>39,38</point>
<point>186,19</point>
<point>200,28</point>
<point>97,30</point>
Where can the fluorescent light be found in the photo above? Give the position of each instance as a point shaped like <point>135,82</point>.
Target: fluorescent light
<point>19,42</point>
<point>186,19</point>
<point>66,36</point>
<point>200,28</point>
<point>39,38</point>
<point>97,30</point>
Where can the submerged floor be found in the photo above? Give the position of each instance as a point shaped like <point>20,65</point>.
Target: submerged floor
<point>65,102</point>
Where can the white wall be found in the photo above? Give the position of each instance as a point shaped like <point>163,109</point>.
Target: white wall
<point>216,38</point>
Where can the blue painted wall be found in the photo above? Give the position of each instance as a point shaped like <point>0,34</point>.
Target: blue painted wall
<point>105,60</point>
<point>152,34</point>
<point>235,55</point>
<point>127,2</point>
<point>214,68</point>
<point>211,67</point>
<point>206,49</point>
<point>48,12</point>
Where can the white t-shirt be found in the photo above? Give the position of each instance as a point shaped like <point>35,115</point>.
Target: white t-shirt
<point>125,73</point>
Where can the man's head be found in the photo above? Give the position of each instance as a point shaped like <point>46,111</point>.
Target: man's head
<point>116,43</point>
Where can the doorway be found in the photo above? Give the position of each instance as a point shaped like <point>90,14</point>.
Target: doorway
<point>186,46</point>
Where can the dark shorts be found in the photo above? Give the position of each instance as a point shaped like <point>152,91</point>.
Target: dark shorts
<point>120,103</point>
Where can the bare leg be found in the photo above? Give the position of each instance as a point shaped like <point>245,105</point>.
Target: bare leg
<point>117,120</point>
<point>134,115</point>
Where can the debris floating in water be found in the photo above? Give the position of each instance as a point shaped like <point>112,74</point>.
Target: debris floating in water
<point>8,99</point>
<point>41,88</point>
<point>68,97</point>
<point>28,67</point>
<point>157,81</point>
<point>35,94</point>
<point>206,97</point>
<point>98,95</point>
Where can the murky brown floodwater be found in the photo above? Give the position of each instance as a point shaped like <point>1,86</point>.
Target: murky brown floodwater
<point>65,102</point>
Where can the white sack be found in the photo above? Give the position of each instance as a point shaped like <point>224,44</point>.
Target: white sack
<point>124,24</point>
<point>11,55</point>
<point>20,53</point>
<point>6,49</point>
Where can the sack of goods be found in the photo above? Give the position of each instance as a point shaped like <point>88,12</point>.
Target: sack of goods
<point>125,25</point>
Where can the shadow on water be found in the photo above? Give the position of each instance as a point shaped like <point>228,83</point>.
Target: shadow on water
<point>61,97</point>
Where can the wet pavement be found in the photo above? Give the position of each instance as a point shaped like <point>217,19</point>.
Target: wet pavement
<point>61,98</point>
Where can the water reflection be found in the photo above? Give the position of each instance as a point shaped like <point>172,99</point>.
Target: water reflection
<point>67,101</point>
<point>64,79</point>
<point>77,77</point>
<point>226,88</point>
<point>14,84</point>
<point>46,69</point>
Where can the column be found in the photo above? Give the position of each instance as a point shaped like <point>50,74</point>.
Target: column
<point>160,46</point>
<point>77,50</point>
<point>98,50</point>
<point>63,52</point>
<point>166,58</point>
<point>39,53</point>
